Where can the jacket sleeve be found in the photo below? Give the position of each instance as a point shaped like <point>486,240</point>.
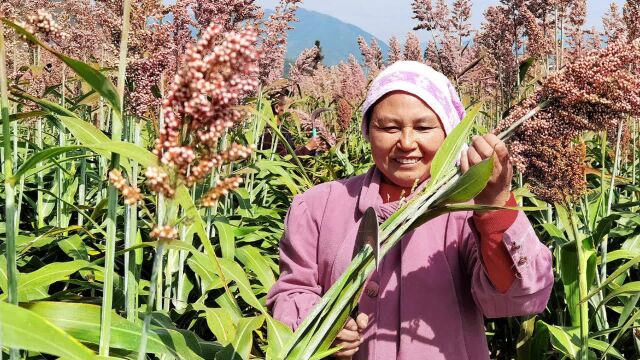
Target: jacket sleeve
<point>297,289</point>
<point>532,264</point>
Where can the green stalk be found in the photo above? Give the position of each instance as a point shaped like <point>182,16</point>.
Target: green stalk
<point>112,194</point>
<point>9,187</point>
<point>131,235</point>
<point>582,285</point>
<point>39,178</point>
<point>634,150</point>
<point>21,186</point>
<point>605,239</point>
<point>59,174</point>
<point>157,268</point>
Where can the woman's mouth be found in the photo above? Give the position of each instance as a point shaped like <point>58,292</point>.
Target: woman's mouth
<point>408,161</point>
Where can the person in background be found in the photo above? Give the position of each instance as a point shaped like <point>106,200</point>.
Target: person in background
<point>278,106</point>
<point>430,293</point>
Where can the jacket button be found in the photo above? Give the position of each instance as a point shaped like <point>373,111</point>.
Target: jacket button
<point>371,289</point>
<point>522,261</point>
<point>515,247</point>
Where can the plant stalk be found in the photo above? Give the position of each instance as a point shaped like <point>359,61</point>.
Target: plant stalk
<point>112,194</point>
<point>157,268</point>
<point>582,285</point>
<point>11,231</point>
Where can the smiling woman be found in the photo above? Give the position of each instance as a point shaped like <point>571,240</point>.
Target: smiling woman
<point>428,296</point>
<point>405,135</point>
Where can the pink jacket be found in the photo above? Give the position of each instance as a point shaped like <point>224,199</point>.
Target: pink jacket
<point>432,288</point>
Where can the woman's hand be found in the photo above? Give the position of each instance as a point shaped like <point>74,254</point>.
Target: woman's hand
<point>350,337</point>
<point>313,143</point>
<point>498,189</point>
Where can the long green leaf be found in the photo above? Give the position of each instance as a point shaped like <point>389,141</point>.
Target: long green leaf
<point>220,323</point>
<point>251,258</point>
<point>449,151</point>
<point>83,322</point>
<point>619,271</point>
<point>27,330</point>
<point>41,156</point>
<point>227,239</point>
<point>469,184</point>
<point>46,276</point>
<point>628,288</point>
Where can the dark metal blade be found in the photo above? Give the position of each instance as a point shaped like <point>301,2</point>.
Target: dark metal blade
<point>368,234</point>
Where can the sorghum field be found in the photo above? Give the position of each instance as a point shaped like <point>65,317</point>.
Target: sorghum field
<point>146,176</point>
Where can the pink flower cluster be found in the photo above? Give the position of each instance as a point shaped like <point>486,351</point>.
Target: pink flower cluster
<point>43,23</point>
<point>164,232</point>
<point>596,92</point>
<point>305,64</point>
<point>131,194</point>
<point>201,104</point>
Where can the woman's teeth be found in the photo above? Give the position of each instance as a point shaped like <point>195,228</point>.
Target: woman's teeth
<point>408,161</point>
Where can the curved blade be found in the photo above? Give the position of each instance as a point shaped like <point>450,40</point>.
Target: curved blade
<point>368,234</point>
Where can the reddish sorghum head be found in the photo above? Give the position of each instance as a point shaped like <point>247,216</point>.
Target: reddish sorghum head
<point>201,104</point>
<point>596,92</point>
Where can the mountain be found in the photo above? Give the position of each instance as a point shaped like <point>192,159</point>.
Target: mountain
<point>337,38</point>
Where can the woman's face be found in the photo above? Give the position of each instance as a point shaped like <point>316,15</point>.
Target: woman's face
<point>405,135</point>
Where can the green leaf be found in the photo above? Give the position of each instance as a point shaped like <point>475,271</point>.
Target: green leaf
<point>603,346</point>
<point>83,322</point>
<point>524,67</point>
<point>619,271</point>
<point>244,336</point>
<point>568,268</point>
<point>226,238</point>
<point>469,184</point>
<point>128,150</point>
<point>278,336</point>
<point>74,247</point>
<point>533,341</point>
<point>45,104</point>
<point>555,233</point>
<point>564,340</point>
<point>254,261</point>
<point>628,288</point>
<point>236,273</point>
<point>93,77</point>
<point>41,156</point>
<point>23,329</point>
<point>220,323</point>
<point>46,276</point>
<point>449,151</point>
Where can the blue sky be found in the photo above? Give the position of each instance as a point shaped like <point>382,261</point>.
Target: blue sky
<point>386,18</point>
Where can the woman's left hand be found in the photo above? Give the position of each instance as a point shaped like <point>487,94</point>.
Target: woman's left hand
<point>497,191</point>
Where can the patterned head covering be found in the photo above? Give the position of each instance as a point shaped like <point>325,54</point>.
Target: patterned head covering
<point>421,80</point>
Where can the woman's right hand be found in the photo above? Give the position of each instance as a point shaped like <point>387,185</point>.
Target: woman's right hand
<point>350,337</point>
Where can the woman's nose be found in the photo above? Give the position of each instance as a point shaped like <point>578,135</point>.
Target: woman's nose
<point>407,140</point>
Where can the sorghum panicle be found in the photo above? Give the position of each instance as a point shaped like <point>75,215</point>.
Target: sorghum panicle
<point>131,194</point>
<point>222,188</point>
<point>164,232</point>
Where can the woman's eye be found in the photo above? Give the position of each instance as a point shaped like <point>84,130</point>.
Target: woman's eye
<point>423,128</point>
<point>390,128</point>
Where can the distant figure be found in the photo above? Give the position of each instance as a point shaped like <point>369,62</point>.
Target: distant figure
<point>278,108</point>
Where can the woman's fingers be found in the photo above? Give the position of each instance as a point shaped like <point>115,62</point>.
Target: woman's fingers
<point>362,320</point>
<point>346,354</point>
<point>482,146</point>
<point>464,161</point>
<point>473,156</point>
<point>351,325</point>
<point>348,335</point>
<point>349,338</point>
